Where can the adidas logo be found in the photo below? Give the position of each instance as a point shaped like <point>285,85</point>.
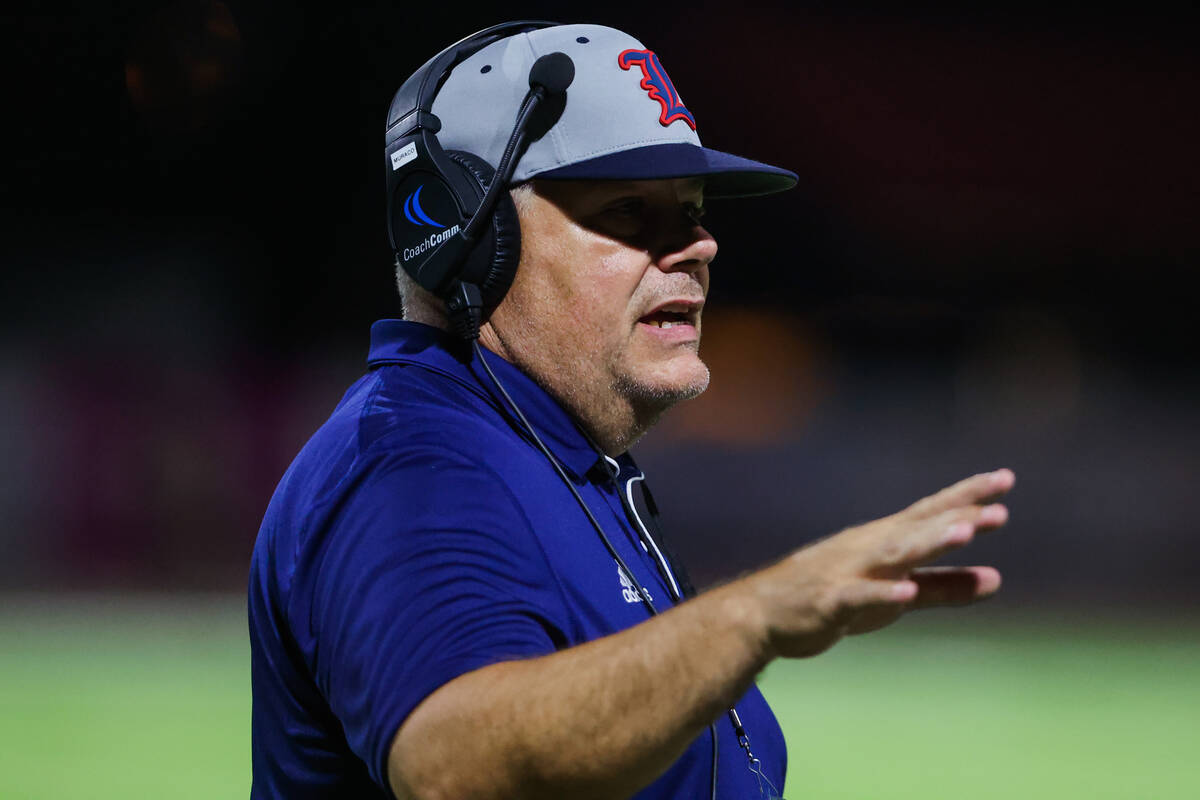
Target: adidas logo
<point>628,590</point>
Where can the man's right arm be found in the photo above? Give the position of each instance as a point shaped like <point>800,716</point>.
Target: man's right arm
<point>605,718</point>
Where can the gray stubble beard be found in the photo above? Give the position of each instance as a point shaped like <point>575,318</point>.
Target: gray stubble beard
<point>649,403</point>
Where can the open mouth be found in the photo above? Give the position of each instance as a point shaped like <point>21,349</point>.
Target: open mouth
<point>674,314</point>
<point>667,319</point>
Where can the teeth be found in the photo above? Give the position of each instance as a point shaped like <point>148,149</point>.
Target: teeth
<point>668,324</point>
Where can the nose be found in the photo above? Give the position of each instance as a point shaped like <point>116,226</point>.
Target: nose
<point>689,249</point>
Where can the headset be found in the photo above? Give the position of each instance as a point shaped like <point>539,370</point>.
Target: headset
<point>470,258</point>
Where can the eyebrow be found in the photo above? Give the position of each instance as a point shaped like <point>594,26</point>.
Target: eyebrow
<point>617,188</point>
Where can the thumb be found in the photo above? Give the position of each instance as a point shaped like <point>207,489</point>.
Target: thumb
<point>867,593</point>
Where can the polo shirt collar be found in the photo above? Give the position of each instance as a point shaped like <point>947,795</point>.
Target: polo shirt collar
<point>395,341</point>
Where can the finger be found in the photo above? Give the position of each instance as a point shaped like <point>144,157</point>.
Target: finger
<point>869,605</point>
<point>913,546</point>
<point>953,586</point>
<point>969,491</point>
<point>868,594</point>
<point>956,528</point>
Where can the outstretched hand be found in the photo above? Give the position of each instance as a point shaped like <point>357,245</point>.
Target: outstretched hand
<point>865,577</point>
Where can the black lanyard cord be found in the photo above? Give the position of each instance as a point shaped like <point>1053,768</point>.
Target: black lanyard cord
<point>676,566</point>
<point>626,571</point>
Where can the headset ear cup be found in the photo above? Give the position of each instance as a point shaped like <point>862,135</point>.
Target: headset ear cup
<point>492,268</point>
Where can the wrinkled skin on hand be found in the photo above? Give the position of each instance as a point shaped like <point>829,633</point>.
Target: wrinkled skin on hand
<point>866,577</point>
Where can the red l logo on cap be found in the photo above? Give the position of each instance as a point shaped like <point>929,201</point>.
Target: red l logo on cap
<point>658,86</point>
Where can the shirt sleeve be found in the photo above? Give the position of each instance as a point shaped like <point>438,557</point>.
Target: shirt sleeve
<point>429,569</point>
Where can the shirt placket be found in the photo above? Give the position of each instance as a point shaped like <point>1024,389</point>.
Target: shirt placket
<point>618,493</point>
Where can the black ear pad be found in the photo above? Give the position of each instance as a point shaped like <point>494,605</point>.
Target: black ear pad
<point>492,263</point>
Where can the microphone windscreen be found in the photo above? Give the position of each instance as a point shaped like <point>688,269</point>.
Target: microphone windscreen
<point>553,72</point>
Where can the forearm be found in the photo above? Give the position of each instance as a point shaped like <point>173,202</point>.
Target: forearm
<point>598,720</point>
<point>605,718</point>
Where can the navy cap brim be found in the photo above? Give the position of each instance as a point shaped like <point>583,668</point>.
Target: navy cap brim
<point>726,175</point>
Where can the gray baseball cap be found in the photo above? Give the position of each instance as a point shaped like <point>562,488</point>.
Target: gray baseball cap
<point>623,119</point>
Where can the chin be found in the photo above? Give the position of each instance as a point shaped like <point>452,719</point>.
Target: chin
<point>680,379</point>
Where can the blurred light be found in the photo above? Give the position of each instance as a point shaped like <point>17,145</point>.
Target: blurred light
<point>184,64</point>
<point>1022,376</point>
<point>765,380</point>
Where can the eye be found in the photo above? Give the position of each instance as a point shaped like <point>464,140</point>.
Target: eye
<point>628,207</point>
<point>695,212</point>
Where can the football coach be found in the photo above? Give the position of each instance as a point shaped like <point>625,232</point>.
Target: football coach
<point>460,588</point>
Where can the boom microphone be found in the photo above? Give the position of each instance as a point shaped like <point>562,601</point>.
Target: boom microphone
<point>553,72</point>
<point>549,78</point>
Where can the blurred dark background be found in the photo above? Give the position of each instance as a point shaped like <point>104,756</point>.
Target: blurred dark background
<point>985,264</point>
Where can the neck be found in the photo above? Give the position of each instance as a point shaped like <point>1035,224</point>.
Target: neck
<point>614,433</point>
<point>611,420</point>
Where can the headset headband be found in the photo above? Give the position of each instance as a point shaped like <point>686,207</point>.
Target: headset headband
<point>417,107</point>
<point>442,263</point>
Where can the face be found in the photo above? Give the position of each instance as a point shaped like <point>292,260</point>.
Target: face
<point>606,303</point>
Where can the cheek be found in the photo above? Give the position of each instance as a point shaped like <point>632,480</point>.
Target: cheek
<point>574,284</point>
<point>597,289</point>
<point>607,292</point>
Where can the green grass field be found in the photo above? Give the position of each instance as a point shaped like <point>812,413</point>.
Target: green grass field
<point>111,698</point>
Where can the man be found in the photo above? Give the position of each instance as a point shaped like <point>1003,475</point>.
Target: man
<point>440,608</point>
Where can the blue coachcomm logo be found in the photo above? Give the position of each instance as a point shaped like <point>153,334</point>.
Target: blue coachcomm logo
<point>416,215</point>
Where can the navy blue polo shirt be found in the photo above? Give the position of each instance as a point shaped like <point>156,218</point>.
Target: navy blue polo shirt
<point>418,536</point>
